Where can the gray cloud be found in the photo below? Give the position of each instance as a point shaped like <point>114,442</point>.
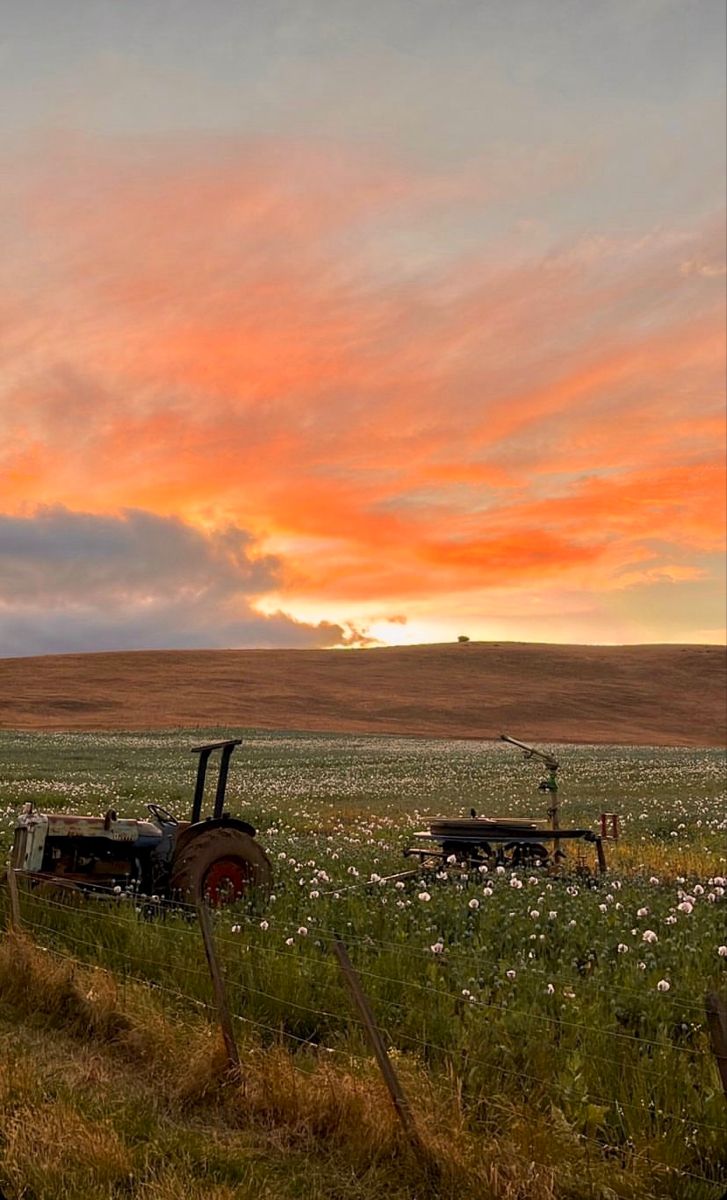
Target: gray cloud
<point>74,581</point>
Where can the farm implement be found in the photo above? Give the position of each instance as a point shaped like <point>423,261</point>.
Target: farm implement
<point>510,841</point>
<point>213,858</point>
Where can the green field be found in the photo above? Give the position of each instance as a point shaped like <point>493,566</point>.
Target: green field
<point>564,1012</point>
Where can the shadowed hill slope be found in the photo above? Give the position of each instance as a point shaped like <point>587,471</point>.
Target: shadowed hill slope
<point>658,695</point>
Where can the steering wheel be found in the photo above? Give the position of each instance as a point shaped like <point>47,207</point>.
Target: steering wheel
<point>162,815</point>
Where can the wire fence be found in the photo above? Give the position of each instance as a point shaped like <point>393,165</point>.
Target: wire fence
<point>295,997</point>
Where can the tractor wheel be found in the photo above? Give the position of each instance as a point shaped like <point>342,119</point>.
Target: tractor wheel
<point>219,866</point>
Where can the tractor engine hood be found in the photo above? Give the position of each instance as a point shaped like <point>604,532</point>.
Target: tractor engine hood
<point>69,825</point>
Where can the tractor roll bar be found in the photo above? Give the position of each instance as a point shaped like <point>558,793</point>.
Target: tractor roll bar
<point>204,753</point>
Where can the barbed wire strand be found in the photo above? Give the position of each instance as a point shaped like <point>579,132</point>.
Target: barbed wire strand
<point>412,984</point>
<point>180,907</point>
<point>287,1002</point>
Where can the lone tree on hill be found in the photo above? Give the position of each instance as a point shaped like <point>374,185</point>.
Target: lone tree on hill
<point>463,638</point>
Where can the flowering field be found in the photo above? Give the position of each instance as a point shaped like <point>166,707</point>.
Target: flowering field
<point>569,1008</point>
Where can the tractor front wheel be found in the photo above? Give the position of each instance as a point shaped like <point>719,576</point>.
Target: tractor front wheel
<point>219,866</point>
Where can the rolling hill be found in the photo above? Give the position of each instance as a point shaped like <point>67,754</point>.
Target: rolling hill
<point>657,695</point>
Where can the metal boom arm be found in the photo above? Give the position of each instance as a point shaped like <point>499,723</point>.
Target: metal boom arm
<point>551,763</point>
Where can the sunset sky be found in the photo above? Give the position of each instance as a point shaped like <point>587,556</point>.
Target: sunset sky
<point>325,321</point>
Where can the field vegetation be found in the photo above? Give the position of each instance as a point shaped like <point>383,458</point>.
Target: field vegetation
<point>548,1028</point>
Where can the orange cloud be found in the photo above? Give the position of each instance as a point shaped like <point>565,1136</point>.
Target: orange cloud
<point>210,333</point>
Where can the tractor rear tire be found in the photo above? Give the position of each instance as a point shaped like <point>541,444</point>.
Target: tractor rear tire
<point>220,866</point>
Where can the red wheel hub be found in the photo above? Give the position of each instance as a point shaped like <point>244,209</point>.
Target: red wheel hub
<point>226,881</point>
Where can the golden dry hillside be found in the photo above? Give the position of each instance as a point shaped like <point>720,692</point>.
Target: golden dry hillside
<point>659,695</point>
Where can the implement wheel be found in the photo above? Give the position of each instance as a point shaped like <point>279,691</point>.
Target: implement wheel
<point>524,854</point>
<point>220,866</point>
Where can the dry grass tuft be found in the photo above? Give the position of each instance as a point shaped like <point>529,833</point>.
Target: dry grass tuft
<point>51,1150</point>
<point>85,1001</point>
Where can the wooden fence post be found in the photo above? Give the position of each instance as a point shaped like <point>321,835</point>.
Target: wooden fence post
<point>391,1079</point>
<point>218,985</point>
<point>717,1022</point>
<point>14,922</point>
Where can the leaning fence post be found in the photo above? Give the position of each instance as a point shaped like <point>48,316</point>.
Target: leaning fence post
<point>218,985</point>
<point>717,1022</point>
<point>14,910</point>
<point>391,1079</point>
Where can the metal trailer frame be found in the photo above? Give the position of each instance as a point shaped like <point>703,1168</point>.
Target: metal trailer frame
<point>493,839</point>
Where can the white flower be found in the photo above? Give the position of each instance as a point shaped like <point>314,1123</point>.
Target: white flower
<point>487,891</point>
<point>289,941</point>
<point>670,920</point>
<point>642,912</point>
<point>685,907</point>
<point>236,929</point>
<point>375,878</point>
<point>515,882</point>
<point>550,990</point>
<point>663,985</point>
<point>437,948</point>
<point>424,897</point>
<point>117,890</point>
<point>603,908</point>
<point>641,966</point>
<point>500,870</point>
<point>622,948</point>
<point>314,895</point>
<point>552,915</point>
<point>451,859</point>
<point>534,913</point>
<point>654,880</point>
<point>698,889</point>
<point>649,936</point>
<point>302,931</point>
<point>399,885</point>
<point>473,904</point>
<point>264,925</point>
<point>511,974</point>
<point>722,951</point>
